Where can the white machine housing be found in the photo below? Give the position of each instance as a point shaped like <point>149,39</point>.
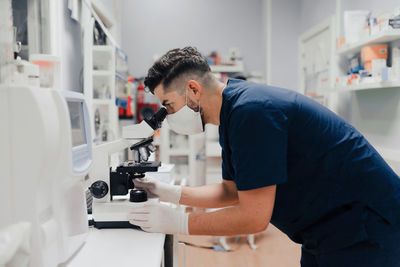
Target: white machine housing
<point>43,167</point>
<point>70,203</point>
<point>105,210</point>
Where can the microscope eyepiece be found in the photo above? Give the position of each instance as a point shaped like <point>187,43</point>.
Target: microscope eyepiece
<point>156,120</point>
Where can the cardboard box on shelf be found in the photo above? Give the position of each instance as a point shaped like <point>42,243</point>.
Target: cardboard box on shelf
<point>371,52</point>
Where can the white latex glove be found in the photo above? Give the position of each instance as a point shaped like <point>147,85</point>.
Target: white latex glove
<point>156,217</point>
<point>155,188</point>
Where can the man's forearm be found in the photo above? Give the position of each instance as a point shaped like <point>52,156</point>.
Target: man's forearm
<point>208,196</point>
<point>224,222</point>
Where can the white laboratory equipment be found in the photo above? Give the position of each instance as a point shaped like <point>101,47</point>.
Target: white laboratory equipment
<point>6,40</point>
<point>45,154</point>
<point>111,186</point>
<point>49,67</point>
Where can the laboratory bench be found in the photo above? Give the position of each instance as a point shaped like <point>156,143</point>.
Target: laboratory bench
<point>120,248</point>
<point>128,247</point>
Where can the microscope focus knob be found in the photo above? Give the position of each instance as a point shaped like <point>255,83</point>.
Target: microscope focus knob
<point>137,195</point>
<point>99,189</point>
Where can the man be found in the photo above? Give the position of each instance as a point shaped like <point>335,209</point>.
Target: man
<point>286,160</point>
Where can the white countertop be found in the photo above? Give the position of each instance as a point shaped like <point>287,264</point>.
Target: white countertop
<point>119,248</point>
<point>123,247</point>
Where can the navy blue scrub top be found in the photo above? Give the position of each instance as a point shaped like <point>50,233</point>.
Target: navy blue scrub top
<point>332,185</point>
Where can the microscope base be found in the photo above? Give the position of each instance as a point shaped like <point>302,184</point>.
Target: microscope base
<point>114,214</point>
<point>114,225</point>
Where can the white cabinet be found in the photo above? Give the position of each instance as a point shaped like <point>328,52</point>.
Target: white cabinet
<point>186,152</point>
<point>197,158</point>
<point>99,86</point>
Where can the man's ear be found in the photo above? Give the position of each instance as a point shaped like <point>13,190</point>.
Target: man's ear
<point>195,89</point>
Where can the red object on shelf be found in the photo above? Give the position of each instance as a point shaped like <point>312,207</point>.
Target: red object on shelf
<point>140,93</point>
<point>125,108</point>
<point>145,110</point>
<point>121,112</point>
<point>129,107</point>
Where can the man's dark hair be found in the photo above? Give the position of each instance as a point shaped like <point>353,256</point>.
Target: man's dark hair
<point>174,64</point>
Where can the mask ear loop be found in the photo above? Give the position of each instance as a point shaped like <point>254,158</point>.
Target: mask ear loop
<point>199,106</point>
<point>186,93</point>
<point>186,99</point>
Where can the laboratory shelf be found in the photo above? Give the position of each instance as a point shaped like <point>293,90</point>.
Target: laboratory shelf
<point>122,69</point>
<point>102,102</point>
<point>227,69</point>
<point>121,76</point>
<point>370,86</point>
<point>121,54</point>
<point>382,37</point>
<point>99,83</point>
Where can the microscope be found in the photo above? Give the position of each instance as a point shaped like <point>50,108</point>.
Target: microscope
<point>114,192</point>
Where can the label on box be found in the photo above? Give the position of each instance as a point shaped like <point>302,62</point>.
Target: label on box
<point>395,23</point>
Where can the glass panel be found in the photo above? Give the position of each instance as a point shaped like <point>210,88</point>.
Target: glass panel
<point>77,126</point>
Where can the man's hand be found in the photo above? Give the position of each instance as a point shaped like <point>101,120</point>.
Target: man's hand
<point>165,192</point>
<point>159,218</point>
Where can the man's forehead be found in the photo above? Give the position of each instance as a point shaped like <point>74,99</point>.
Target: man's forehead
<point>159,91</point>
<point>163,96</point>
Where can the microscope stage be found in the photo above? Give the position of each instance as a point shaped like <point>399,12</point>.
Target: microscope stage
<point>142,167</point>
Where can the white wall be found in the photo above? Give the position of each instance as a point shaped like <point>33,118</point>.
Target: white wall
<point>313,12</point>
<point>375,113</point>
<point>154,26</point>
<point>71,51</point>
<point>285,27</point>
<point>71,43</point>
<point>265,35</point>
<point>113,8</point>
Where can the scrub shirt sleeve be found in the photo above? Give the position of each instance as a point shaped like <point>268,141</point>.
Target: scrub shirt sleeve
<point>258,142</point>
<point>226,173</point>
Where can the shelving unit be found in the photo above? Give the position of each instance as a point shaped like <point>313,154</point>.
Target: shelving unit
<point>385,37</point>
<point>358,112</point>
<point>227,68</point>
<point>122,89</point>
<point>121,76</point>
<point>197,157</point>
<point>183,156</point>
<point>369,86</point>
<point>382,37</point>
<point>336,57</point>
<point>99,87</point>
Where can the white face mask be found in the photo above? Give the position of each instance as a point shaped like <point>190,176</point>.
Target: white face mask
<point>186,120</point>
